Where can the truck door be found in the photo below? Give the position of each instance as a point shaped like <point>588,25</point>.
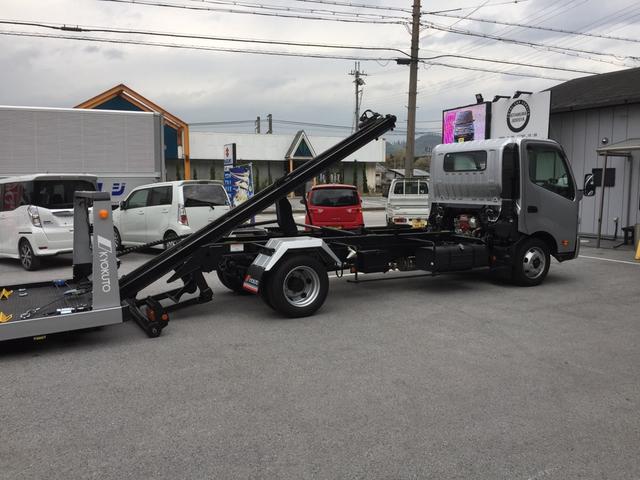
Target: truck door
<point>549,197</point>
<point>133,225</point>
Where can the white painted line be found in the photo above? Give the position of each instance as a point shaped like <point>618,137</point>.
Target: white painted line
<point>610,260</point>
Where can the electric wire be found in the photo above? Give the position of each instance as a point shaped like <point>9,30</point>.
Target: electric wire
<point>532,27</point>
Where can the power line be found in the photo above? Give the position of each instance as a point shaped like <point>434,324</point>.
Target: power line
<point>189,47</point>
<point>463,67</point>
<point>266,14</point>
<point>282,8</point>
<point>397,9</point>
<point>552,48</point>
<point>90,29</point>
<point>80,29</point>
<point>508,62</point>
<point>532,27</point>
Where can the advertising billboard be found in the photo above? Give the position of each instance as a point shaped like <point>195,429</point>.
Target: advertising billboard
<point>468,123</point>
<point>524,116</point>
<point>238,181</point>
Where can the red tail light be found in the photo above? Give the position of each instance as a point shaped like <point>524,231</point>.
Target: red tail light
<point>182,215</point>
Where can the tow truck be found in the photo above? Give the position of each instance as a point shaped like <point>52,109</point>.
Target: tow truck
<point>508,205</point>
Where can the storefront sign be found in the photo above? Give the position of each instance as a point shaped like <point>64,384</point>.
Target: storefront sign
<point>525,116</point>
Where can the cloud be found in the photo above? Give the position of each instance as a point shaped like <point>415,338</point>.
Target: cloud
<point>216,86</point>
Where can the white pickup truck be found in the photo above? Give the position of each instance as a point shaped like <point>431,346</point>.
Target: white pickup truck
<point>408,202</point>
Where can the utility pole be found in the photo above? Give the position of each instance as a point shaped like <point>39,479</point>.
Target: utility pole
<point>359,82</point>
<point>270,122</point>
<point>258,124</point>
<point>413,91</point>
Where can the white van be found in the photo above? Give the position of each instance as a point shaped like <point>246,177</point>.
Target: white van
<point>36,215</point>
<point>168,210</point>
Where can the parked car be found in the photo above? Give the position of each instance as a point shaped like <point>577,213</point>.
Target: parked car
<point>168,210</point>
<point>36,215</point>
<point>334,205</point>
<point>408,202</point>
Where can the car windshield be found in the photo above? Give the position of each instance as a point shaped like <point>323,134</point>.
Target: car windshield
<point>54,194</point>
<point>411,187</point>
<point>334,197</point>
<point>204,195</point>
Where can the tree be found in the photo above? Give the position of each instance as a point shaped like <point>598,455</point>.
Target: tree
<point>256,180</point>
<point>355,174</point>
<point>365,185</point>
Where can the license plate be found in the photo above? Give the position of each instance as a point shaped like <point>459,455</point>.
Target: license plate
<point>418,223</point>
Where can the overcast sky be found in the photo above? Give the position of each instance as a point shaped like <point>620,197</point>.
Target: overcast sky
<point>211,86</point>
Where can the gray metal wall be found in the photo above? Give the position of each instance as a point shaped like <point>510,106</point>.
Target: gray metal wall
<point>580,134</point>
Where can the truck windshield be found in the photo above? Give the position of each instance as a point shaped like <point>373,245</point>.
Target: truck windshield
<point>204,195</point>
<point>411,187</point>
<point>334,197</point>
<point>55,194</point>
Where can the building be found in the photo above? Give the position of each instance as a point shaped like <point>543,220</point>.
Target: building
<point>272,156</point>
<point>176,131</point>
<point>592,112</point>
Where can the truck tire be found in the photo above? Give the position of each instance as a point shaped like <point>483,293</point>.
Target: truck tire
<point>531,262</point>
<point>28,258</point>
<point>232,282</point>
<point>298,286</point>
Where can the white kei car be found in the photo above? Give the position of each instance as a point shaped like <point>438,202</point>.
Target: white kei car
<point>168,210</point>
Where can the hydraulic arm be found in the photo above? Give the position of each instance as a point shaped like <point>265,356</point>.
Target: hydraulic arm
<point>371,127</point>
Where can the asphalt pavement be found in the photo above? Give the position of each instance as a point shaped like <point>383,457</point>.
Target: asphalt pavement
<point>450,377</point>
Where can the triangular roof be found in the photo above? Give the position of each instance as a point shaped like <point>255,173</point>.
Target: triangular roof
<point>301,147</point>
<point>136,99</point>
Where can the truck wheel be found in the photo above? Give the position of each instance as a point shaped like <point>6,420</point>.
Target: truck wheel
<point>298,286</point>
<point>28,259</point>
<point>232,282</point>
<point>531,263</point>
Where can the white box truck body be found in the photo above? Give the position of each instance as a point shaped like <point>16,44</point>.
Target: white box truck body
<point>123,149</point>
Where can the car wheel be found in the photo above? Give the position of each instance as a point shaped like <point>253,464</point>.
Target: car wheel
<point>531,263</point>
<point>170,238</point>
<point>298,286</point>
<point>117,240</point>
<point>28,258</point>
<point>232,282</point>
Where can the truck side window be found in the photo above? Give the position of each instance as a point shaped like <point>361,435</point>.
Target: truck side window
<point>399,188</point>
<point>465,161</point>
<point>548,169</point>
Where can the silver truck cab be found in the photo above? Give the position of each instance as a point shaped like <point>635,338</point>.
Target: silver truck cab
<point>509,190</point>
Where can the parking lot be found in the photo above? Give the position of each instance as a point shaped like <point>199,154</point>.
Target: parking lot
<point>457,376</point>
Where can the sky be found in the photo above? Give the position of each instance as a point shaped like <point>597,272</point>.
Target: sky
<point>215,86</point>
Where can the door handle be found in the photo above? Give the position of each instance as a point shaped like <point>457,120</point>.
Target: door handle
<point>532,209</point>
<point>140,213</point>
<point>165,211</point>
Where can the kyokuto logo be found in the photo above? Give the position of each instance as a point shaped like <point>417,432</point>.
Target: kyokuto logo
<point>105,248</point>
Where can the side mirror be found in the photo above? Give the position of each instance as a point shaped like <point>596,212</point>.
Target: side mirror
<point>303,201</point>
<point>122,205</point>
<point>589,189</point>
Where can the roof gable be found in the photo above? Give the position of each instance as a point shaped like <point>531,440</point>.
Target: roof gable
<point>300,147</point>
